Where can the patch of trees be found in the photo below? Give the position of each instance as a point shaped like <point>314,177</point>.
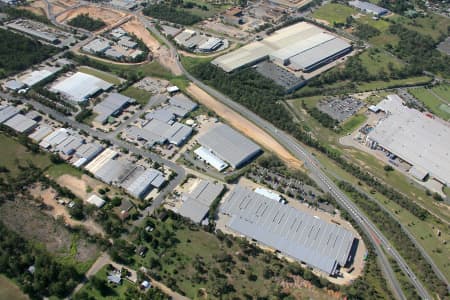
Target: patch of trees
<point>14,13</point>
<point>50,278</point>
<point>171,13</point>
<point>398,6</point>
<point>83,115</point>
<point>392,229</point>
<point>321,117</point>
<point>261,96</point>
<point>87,22</point>
<point>18,52</point>
<point>419,51</point>
<point>365,31</point>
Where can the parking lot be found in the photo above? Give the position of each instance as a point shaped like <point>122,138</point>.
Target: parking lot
<point>340,109</point>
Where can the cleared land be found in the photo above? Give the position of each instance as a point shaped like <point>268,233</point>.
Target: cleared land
<point>141,96</point>
<point>334,13</point>
<point>100,74</point>
<point>244,125</point>
<point>8,290</point>
<point>138,29</point>
<point>108,16</point>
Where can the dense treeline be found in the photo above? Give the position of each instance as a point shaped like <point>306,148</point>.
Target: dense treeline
<point>419,51</point>
<point>398,6</point>
<point>392,229</point>
<point>171,13</point>
<point>86,22</point>
<point>14,13</point>
<point>49,278</point>
<point>321,117</point>
<point>262,95</point>
<point>18,52</point>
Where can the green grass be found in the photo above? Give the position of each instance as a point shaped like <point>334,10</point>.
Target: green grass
<point>8,290</point>
<point>141,96</point>
<point>55,171</point>
<point>351,124</point>
<point>115,292</point>
<point>190,62</point>
<point>334,13</point>
<point>433,103</point>
<point>376,60</point>
<point>432,25</point>
<point>100,74</point>
<point>384,39</point>
<point>13,154</point>
<point>379,85</point>
<point>213,9</point>
<point>381,25</point>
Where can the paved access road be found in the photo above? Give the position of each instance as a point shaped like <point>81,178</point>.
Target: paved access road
<point>376,237</point>
<point>181,174</point>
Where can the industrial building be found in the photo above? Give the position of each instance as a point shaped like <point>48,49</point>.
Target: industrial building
<point>229,145</point>
<point>80,87</point>
<point>100,160</point>
<point>21,124</point>
<point>34,77</point>
<point>208,157</point>
<point>40,133</point>
<point>141,181</point>
<point>97,46</point>
<point>198,42</point>
<point>175,133</point>
<point>14,85</point>
<point>86,152</point>
<point>7,113</point>
<point>111,106</point>
<point>196,203</point>
<point>29,27</point>
<point>306,238</point>
<point>302,47</point>
<point>415,137</point>
<point>369,8</point>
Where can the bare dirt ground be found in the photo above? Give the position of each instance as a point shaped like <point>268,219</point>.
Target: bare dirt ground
<point>108,16</point>
<point>64,3</point>
<point>37,7</point>
<point>79,186</point>
<point>244,125</point>
<point>167,60</point>
<point>24,217</point>
<point>137,28</point>
<point>48,197</point>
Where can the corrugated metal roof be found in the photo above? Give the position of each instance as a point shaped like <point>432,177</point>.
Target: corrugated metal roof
<point>211,159</point>
<point>229,145</point>
<point>110,105</point>
<point>7,113</point>
<point>20,123</point>
<point>41,132</point>
<point>297,234</point>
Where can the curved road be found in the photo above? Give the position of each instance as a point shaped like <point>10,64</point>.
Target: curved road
<point>376,237</point>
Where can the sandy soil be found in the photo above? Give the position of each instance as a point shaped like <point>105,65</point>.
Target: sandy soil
<point>79,186</point>
<point>64,3</point>
<point>106,15</point>
<point>137,28</point>
<point>167,60</point>
<point>244,125</point>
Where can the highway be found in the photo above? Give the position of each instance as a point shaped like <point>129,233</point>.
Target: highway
<point>376,237</point>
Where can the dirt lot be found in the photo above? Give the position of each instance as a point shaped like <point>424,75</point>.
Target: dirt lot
<point>79,186</point>
<point>57,210</point>
<point>37,7</point>
<point>137,28</point>
<point>106,15</point>
<point>26,218</point>
<point>167,60</point>
<point>244,125</point>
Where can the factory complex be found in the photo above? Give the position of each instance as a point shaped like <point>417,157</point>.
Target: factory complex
<point>197,42</point>
<point>301,47</point>
<point>111,106</point>
<point>369,8</point>
<point>301,236</point>
<point>223,145</point>
<point>417,138</point>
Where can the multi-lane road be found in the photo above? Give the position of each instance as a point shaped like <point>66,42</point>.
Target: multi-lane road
<point>378,240</point>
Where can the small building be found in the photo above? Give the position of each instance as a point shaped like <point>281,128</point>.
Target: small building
<point>268,194</point>
<point>182,101</point>
<point>21,124</point>
<point>97,46</point>
<point>374,109</point>
<point>35,77</point>
<point>70,145</point>
<point>14,85</point>
<point>419,173</point>
<point>87,152</point>
<point>96,200</point>
<point>127,42</point>
<point>208,157</point>
<point>40,133</point>
<point>114,278</point>
<point>114,54</point>
<point>369,8</point>
<point>145,285</point>
<point>111,106</point>
<point>172,89</point>
<point>210,45</point>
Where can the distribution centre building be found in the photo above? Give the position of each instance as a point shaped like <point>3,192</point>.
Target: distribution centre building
<point>229,145</point>
<point>415,137</point>
<point>306,238</point>
<point>302,47</point>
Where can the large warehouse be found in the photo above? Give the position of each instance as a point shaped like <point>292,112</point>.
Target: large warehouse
<point>80,87</point>
<point>413,136</point>
<point>302,46</point>
<point>229,145</point>
<point>319,244</point>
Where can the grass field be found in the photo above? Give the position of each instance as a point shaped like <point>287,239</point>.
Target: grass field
<point>352,123</point>
<point>432,25</point>
<point>334,13</point>
<point>141,96</point>
<point>8,290</point>
<point>377,60</point>
<point>13,154</point>
<point>380,24</point>
<point>379,85</point>
<point>100,74</point>
<point>56,171</point>
<point>437,100</point>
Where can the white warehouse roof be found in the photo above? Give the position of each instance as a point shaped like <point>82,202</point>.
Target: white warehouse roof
<point>211,159</point>
<point>80,86</point>
<point>416,138</point>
